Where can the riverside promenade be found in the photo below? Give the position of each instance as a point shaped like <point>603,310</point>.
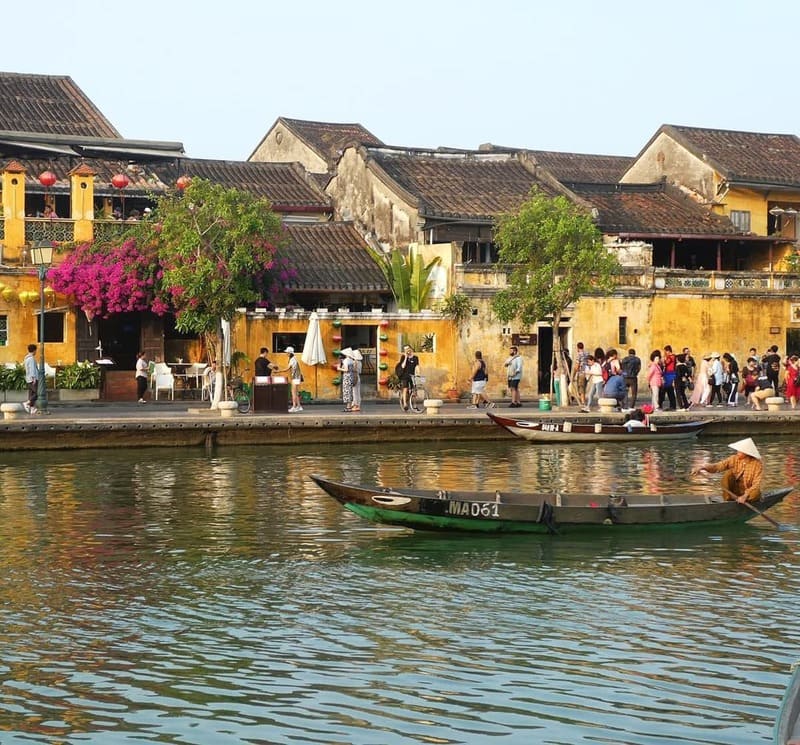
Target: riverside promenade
<point>193,424</point>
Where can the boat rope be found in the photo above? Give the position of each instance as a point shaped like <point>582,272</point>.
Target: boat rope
<point>546,517</point>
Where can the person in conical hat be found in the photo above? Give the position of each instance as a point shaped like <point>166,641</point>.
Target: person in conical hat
<point>741,472</point>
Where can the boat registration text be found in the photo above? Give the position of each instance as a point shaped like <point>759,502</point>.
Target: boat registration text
<point>474,509</point>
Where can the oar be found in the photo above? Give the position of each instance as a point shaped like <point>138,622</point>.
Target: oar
<point>756,510</point>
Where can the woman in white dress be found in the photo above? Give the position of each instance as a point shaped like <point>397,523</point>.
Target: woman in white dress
<point>702,390</point>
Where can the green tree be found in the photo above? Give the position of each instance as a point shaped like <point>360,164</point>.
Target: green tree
<point>218,250</point>
<point>552,254</point>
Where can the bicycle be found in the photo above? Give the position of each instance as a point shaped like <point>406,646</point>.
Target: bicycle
<point>416,395</point>
<point>239,391</point>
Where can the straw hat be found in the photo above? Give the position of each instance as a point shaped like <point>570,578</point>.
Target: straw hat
<point>746,446</point>
<point>707,356</point>
<point>715,355</point>
<point>357,356</point>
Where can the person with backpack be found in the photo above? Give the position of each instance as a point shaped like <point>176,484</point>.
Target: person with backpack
<point>631,366</point>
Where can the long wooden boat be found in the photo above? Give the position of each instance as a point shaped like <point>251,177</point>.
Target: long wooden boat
<point>565,431</point>
<point>498,512</point>
<point>787,725</point>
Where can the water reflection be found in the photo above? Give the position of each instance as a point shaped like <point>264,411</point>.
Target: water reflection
<point>181,596</point>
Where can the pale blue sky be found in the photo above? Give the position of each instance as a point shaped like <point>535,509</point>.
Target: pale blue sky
<point>574,75</point>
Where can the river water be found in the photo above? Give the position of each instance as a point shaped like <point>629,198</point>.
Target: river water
<point>184,596</point>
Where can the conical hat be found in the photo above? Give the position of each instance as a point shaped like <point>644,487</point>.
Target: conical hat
<point>746,446</point>
<point>347,352</point>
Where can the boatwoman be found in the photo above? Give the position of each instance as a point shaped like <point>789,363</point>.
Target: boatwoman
<point>741,472</point>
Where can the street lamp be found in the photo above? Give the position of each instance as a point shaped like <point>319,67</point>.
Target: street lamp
<point>42,258</point>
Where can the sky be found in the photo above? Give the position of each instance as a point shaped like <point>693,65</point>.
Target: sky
<point>567,75</point>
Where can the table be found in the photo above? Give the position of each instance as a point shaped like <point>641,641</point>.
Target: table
<point>186,378</point>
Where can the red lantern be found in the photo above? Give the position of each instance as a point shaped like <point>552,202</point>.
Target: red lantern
<point>183,182</point>
<point>384,352</point>
<point>384,381</point>
<point>384,324</point>
<point>119,181</point>
<point>47,179</point>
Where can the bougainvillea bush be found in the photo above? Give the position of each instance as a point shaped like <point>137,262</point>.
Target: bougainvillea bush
<point>104,279</point>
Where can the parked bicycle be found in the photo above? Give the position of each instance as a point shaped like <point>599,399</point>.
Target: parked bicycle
<point>416,394</point>
<point>239,391</point>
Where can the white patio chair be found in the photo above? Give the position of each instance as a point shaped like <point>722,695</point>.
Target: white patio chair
<point>164,382</point>
<point>207,392</point>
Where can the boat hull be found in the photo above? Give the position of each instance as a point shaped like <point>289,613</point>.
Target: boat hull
<point>493,512</point>
<point>787,725</point>
<point>565,431</point>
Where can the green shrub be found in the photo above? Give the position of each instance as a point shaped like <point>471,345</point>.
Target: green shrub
<point>13,378</point>
<point>78,376</point>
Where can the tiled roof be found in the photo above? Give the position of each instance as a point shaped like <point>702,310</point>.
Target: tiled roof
<point>50,104</point>
<point>460,183</point>
<point>284,184</point>
<point>652,209</point>
<point>579,168</point>
<point>743,156</point>
<point>332,256</point>
<point>329,139</point>
<point>144,177</point>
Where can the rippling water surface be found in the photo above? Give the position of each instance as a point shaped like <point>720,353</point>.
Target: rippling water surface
<point>179,596</point>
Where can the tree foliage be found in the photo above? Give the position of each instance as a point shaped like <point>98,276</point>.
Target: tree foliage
<point>217,248</point>
<point>552,254</point>
<point>409,277</point>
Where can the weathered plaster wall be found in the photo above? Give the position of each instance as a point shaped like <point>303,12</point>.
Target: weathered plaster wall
<point>282,146</point>
<point>666,158</point>
<point>361,196</point>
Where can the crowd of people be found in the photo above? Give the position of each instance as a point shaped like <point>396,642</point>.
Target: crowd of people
<point>678,382</point>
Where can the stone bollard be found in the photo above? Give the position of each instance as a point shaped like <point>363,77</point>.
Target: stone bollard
<point>607,405</point>
<point>228,408</point>
<point>774,403</point>
<point>12,411</point>
<point>432,406</point>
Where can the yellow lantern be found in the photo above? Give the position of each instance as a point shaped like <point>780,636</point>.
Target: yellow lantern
<point>23,296</point>
<point>7,293</point>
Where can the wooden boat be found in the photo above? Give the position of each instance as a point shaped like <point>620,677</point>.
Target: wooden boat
<point>498,512</point>
<point>563,431</point>
<point>787,725</point>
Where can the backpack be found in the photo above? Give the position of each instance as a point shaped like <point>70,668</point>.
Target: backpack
<point>606,370</point>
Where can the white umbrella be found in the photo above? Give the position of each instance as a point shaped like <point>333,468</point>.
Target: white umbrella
<point>313,348</point>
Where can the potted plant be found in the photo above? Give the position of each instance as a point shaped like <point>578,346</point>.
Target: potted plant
<point>12,383</point>
<point>79,381</point>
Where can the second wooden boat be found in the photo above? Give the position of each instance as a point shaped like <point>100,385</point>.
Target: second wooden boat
<point>554,430</point>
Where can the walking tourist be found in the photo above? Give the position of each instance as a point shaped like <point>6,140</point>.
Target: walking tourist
<point>513,367</point>
<point>32,379</point>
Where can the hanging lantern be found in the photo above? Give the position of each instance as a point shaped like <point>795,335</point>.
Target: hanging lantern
<point>335,366</point>
<point>336,324</point>
<point>384,381</point>
<point>384,323</point>
<point>384,352</point>
<point>47,179</point>
<point>7,293</point>
<point>383,366</point>
<point>49,293</point>
<point>337,352</point>
<point>384,337</point>
<point>183,182</point>
<point>337,337</point>
<point>120,181</point>
<point>337,380</point>
<point>23,296</point>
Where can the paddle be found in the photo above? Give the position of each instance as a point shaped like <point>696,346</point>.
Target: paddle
<point>756,510</point>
